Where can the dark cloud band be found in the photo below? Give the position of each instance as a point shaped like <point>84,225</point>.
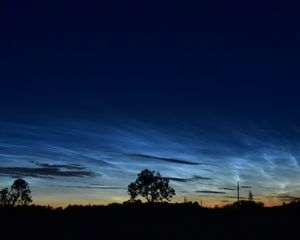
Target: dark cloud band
<point>171,160</point>
<point>52,171</point>
<point>212,192</point>
<point>192,179</point>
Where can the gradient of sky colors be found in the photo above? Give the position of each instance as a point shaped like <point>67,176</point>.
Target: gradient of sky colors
<point>208,94</point>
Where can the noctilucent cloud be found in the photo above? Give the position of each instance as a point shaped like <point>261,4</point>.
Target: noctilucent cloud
<point>207,94</point>
<point>86,162</point>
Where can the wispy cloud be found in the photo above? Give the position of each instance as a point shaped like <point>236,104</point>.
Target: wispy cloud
<point>235,197</point>
<point>192,179</point>
<point>52,171</point>
<point>70,166</point>
<point>170,160</point>
<point>287,197</point>
<point>227,188</point>
<point>93,187</point>
<point>212,192</point>
<point>115,154</point>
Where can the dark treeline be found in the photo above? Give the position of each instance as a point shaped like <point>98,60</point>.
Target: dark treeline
<point>151,221</point>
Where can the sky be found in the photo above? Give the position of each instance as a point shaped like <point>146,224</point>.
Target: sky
<point>205,93</point>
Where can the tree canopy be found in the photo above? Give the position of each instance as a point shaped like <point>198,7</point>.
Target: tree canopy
<point>151,186</point>
<point>18,194</point>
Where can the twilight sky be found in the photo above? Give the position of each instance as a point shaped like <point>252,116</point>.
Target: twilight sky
<point>93,93</point>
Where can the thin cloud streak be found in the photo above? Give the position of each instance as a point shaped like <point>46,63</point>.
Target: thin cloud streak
<point>185,180</point>
<point>94,187</point>
<point>209,191</point>
<point>44,172</point>
<point>170,160</point>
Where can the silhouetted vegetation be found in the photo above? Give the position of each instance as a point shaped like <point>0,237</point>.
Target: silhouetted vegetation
<point>18,194</point>
<point>152,186</point>
<point>250,204</point>
<point>250,196</point>
<point>151,221</point>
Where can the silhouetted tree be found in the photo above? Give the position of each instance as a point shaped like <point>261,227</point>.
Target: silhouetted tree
<point>4,197</point>
<point>151,186</point>
<point>250,196</point>
<point>246,205</point>
<point>19,194</point>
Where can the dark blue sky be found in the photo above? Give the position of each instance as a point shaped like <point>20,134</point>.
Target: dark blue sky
<point>134,84</point>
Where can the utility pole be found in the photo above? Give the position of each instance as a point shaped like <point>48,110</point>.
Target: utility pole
<point>238,193</point>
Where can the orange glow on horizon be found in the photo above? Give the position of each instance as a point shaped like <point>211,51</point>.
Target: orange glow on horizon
<point>206,202</point>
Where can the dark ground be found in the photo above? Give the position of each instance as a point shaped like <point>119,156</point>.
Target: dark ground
<point>144,221</point>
